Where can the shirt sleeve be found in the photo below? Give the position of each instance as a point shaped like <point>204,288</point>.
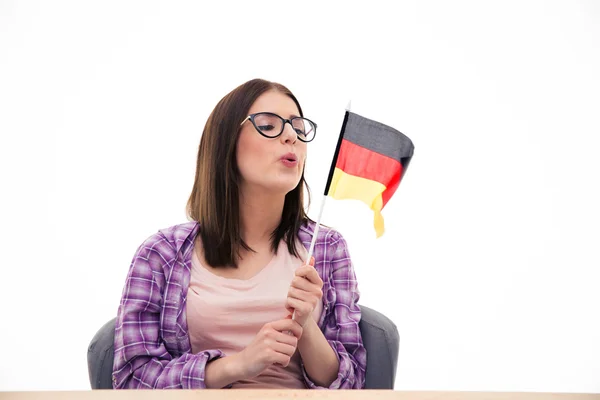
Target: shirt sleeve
<point>341,323</point>
<point>141,359</point>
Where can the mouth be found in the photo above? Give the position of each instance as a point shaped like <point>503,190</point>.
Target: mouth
<point>289,159</point>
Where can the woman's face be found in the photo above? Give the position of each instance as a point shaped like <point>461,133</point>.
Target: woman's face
<point>265,163</point>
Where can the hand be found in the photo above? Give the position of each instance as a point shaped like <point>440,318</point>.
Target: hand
<point>305,292</point>
<point>272,344</point>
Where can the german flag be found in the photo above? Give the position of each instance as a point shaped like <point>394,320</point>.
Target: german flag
<point>370,161</point>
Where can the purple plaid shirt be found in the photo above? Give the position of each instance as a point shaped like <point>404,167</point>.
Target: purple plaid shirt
<point>152,344</point>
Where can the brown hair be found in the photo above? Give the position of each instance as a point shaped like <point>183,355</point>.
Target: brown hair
<point>214,201</point>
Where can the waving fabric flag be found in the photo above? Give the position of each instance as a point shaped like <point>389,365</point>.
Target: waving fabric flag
<point>369,162</point>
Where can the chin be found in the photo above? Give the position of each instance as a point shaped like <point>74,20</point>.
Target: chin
<point>284,187</point>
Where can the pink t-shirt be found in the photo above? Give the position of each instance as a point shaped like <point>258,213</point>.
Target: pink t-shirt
<point>226,314</point>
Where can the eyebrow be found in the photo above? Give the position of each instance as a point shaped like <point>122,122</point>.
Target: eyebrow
<point>291,115</point>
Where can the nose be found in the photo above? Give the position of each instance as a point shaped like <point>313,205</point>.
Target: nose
<point>289,134</point>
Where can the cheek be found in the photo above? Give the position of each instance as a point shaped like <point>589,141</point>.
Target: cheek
<point>249,153</point>
<point>303,152</point>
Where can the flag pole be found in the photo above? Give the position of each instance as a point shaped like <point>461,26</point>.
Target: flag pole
<point>331,171</point>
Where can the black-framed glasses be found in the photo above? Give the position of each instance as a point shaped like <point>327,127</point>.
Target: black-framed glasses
<point>271,125</point>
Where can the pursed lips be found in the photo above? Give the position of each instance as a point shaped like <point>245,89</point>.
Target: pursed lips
<point>289,160</point>
<point>289,157</point>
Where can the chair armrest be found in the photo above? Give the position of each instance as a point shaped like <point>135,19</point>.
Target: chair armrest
<point>382,341</point>
<point>100,356</point>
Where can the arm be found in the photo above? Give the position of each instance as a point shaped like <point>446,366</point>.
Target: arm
<point>222,372</point>
<point>141,357</point>
<point>306,291</point>
<point>320,361</point>
<point>341,329</point>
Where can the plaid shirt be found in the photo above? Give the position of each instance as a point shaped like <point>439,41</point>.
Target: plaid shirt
<point>152,344</point>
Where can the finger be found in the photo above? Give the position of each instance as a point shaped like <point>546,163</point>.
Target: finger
<point>285,338</point>
<point>311,297</point>
<point>306,285</point>
<point>312,261</point>
<point>281,359</point>
<point>302,307</point>
<point>310,273</point>
<point>284,325</point>
<point>284,348</point>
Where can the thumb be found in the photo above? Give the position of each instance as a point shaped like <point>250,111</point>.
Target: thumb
<point>312,261</point>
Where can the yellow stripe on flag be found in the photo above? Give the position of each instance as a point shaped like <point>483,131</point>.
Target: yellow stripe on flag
<point>346,186</point>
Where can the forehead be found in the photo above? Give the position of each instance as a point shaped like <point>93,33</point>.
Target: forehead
<point>275,102</point>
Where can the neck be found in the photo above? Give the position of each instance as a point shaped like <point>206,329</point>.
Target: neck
<point>260,215</point>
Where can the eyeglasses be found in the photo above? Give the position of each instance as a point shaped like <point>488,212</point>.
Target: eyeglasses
<point>271,125</point>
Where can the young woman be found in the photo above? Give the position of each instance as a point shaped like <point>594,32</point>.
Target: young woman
<point>209,303</point>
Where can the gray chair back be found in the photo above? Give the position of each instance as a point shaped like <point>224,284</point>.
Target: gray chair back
<point>380,338</point>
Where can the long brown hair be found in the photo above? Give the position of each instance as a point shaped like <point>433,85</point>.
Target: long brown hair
<point>214,201</point>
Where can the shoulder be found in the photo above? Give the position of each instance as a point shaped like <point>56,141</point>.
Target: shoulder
<point>325,234</point>
<point>329,244</point>
<point>167,242</point>
<point>178,235</point>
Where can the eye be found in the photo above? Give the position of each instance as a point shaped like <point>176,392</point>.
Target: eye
<point>266,128</point>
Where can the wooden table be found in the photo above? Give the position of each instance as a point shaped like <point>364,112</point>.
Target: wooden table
<point>257,394</point>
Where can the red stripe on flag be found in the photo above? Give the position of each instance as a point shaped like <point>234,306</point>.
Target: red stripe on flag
<point>362,162</point>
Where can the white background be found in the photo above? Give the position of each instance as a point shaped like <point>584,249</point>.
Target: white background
<point>489,265</point>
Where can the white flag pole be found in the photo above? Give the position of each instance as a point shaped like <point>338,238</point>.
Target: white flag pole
<point>314,238</point>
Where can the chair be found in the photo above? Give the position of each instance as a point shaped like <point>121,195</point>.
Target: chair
<point>380,338</point>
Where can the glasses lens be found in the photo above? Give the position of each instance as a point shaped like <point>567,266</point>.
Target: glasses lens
<point>268,124</point>
<point>304,129</point>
